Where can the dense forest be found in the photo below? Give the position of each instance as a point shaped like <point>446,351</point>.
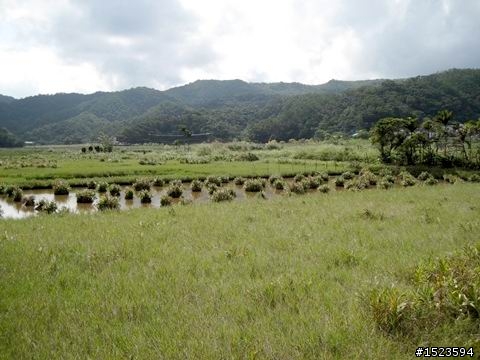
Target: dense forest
<point>235,109</point>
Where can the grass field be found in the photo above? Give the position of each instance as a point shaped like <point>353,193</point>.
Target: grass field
<point>40,166</point>
<point>282,279</point>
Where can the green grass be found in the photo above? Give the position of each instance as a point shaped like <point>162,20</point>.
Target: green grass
<point>280,279</point>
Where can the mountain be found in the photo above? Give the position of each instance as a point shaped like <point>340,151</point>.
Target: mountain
<point>237,109</point>
<point>6,99</point>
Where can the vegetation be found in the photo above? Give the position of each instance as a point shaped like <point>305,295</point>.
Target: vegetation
<point>108,202</point>
<point>288,278</point>
<point>196,185</point>
<point>175,189</point>
<point>46,206</point>
<point>145,196</point>
<point>114,189</point>
<point>128,194</point>
<point>223,195</point>
<point>61,187</point>
<point>253,185</point>
<point>86,196</point>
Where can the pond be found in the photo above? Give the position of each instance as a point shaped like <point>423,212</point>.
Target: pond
<point>16,210</point>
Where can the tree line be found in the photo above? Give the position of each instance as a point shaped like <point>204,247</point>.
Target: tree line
<point>436,141</point>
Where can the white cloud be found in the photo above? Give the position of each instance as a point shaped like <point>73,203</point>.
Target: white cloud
<point>88,45</point>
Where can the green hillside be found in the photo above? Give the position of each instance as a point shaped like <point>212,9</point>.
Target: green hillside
<point>236,109</point>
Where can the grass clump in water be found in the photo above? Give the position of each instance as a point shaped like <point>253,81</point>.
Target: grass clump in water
<point>129,194</point>
<point>86,196</point>
<point>114,190</point>
<point>108,202</point>
<point>253,185</point>
<point>175,189</point>
<point>145,197</point>
<point>196,185</point>
<point>46,206</point>
<point>223,195</point>
<point>61,187</point>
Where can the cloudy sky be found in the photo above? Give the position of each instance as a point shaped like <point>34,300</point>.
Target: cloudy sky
<point>49,46</point>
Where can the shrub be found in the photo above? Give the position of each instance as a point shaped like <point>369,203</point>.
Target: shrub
<point>223,195</point>
<point>224,179</point>
<point>280,184</point>
<point>211,188</point>
<point>92,185</point>
<point>114,190</point>
<point>424,176</point>
<point>175,190</point>
<point>247,157</point>
<point>196,185</point>
<point>46,206</point>
<point>10,190</point>
<point>145,196</point>
<point>298,177</point>
<point>142,184</point>
<point>158,182</point>
<point>213,180</point>
<point>3,188</point>
<point>128,194</point>
<point>474,178</point>
<point>29,201</point>
<point>451,179</point>
<point>347,175</point>
<point>431,181</point>
<point>407,179</point>
<point>274,178</point>
<point>324,188</point>
<point>313,182</point>
<point>444,295</point>
<point>355,184</point>
<point>389,178</point>
<point>108,202</point>
<point>239,181</point>
<point>86,196</point>
<point>102,187</point>
<point>165,200</point>
<point>339,181</point>
<point>253,185</point>
<point>61,187</point>
<point>324,176</point>
<point>297,187</point>
<point>17,195</point>
<point>368,177</point>
<point>384,184</point>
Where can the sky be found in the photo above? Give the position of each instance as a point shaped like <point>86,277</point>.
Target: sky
<point>50,46</point>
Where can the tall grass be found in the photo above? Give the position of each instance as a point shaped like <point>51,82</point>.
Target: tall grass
<point>282,279</point>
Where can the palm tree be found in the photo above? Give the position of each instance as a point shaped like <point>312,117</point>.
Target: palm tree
<point>444,117</point>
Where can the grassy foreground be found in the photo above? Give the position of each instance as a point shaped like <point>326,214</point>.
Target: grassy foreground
<point>279,279</point>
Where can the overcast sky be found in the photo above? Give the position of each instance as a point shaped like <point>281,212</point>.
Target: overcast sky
<point>49,46</point>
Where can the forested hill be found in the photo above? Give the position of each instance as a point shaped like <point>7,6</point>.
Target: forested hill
<point>237,109</point>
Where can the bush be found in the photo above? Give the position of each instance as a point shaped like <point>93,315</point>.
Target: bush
<point>389,178</point>
<point>17,195</point>
<point>224,179</point>
<point>61,187</point>
<point>86,196</point>
<point>128,194</point>
<point>213,180</point>
<point>444,295</point>
<point>356,184</point>
<point>253,185</point>
<point>474,178</point>
<point>29,201</point>
<point>239,181</point>
<point>298,177</point>
<point>46,206</point>
<point>313,182</point>
<point>223,195</point>
<point>142,184</point>
<point>108,202</point>
<point>114,190</point>
<point>424,176</point>
<point>407,179</point>
<point>297,187</point>
<point>175,190</point>
<point>384,184</point>
<point>247,157</point>
<point>92,185</point>
<point>324,188</point>
<point>9,190</point>
<point>196,185</point>
<point>280,184</point>
<point>158,182</point>
<point>145,196</point>
<point>339,181</point>
<point>165,200</point>
<point>431,181</point>
<point>368,177</point>
<point>211,188</point>
<point>274,178</point>
<point>451,179</point>
<point>102,187</point>
<point>347,175</point>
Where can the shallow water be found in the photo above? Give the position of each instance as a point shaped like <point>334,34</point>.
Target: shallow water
<point>15,210</point>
